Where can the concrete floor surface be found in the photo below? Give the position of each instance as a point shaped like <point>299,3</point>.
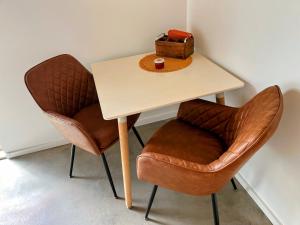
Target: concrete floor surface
<point>35,190</point>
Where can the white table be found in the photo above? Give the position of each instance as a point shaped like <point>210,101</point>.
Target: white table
<point>125,89</point>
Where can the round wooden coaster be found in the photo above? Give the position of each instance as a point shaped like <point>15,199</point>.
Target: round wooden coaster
<point>171,64</point>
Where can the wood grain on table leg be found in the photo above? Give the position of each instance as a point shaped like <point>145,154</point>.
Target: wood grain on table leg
<point>123,135</point>
<point>220,98</point>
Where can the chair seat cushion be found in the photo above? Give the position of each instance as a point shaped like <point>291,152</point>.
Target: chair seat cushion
<point>173,156</point>
<point>104,132</point>
<point>183,141</point>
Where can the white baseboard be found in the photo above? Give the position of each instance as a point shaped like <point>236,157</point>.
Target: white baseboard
<point>146,119</point>
<point>261,204</point>
<point>36,148</point>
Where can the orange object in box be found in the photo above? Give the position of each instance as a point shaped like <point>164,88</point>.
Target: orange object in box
<point>178,35</point>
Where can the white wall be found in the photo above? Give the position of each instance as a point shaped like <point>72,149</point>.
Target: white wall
<point>91,30</point>
<point>258,40</point>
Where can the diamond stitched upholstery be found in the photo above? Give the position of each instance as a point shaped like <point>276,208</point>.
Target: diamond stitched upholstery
<point>254,117</point>
<point>208,116</point>
<point>62,85</point>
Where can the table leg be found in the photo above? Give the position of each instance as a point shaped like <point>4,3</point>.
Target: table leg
<point>123,135</point>
<point>220,98</point>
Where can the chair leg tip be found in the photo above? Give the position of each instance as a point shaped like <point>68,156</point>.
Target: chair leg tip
<point>146,218</point>
<point>116,197</point>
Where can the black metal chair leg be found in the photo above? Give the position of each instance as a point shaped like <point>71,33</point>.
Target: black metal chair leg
<point>73,148</point>
<point>215,208</point>
<point>233,184</point>
<point>109,176</point>
<point>151,201</point>
<point>138,136</point>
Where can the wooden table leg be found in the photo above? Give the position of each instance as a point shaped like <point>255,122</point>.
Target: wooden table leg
<point>220,98</point>
<point>123,135</point>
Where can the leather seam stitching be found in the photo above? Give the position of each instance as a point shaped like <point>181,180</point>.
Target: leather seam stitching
<point>256,140</point>
<point>164,161</point>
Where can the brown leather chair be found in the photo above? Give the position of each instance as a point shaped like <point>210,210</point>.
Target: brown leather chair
<point>200,151</point>
<point>65,90</point>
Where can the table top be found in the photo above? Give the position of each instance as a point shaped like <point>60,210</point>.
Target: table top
<point>125,89</point>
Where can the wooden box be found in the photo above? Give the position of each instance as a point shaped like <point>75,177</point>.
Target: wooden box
<point>181,50</point>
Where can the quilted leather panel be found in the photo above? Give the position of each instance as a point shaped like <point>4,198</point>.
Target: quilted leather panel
<point>62,85</point>
<point>229,123</point>
<point>254,117</point>
<point>207,115</point>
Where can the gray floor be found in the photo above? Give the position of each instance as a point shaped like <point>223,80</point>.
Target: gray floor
<point>35,190</point>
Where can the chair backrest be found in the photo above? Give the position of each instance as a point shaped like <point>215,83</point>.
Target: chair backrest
<point>251,126</point>
<point>62,85</point>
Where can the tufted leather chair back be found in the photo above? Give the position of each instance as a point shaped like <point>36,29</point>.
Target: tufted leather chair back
<point>256,117</point>
<point>250,127</point>
<point>243,130</point>
<point>61,85</point>
<point>256,120</point>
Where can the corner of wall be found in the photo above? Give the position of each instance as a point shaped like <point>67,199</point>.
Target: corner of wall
<point>187,21</point>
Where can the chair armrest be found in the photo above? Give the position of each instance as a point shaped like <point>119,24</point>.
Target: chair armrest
<point>73,131</point>
<point>206,115</point>
<point>179,175</point>
<point>184,164</point>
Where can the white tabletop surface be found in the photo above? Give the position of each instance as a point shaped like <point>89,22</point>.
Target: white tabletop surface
<point>125,89</point>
